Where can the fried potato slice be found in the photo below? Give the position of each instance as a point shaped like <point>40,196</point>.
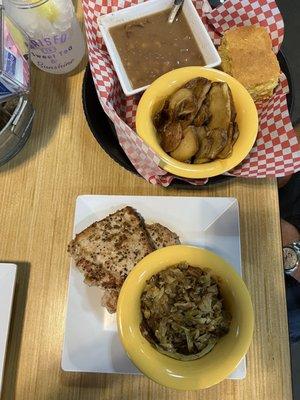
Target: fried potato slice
<point>202,116</point>
<point>205,145</point>
<point>236,133</point>
<point>219,139</point>
<point>227,150</point>
<point>181,104</point>
<point>197,122</point>
<point>201,132</point>
<point>188,146</point>
<point>232,107</point>
<point>211,142</point>
<point>162,117</point>
<point>200,87</point>
<point>171,136</point>
<point>219,101</point>
<point>182,107</point>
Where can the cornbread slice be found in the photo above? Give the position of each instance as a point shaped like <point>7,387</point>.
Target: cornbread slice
<point>247,55</point>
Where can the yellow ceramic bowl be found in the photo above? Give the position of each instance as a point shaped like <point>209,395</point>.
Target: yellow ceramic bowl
<point>167,84</point>
<point>225,356</point>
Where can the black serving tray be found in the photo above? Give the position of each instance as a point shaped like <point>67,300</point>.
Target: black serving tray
<point>105,134</point>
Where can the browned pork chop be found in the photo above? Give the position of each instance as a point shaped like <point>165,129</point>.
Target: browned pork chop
<point>162,236</point>
<point>107,250</point>
<point>114,244</point>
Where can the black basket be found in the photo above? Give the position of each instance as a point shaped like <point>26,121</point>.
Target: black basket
<point>104,131</point>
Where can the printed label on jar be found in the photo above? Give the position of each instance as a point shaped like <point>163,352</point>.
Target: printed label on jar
<point>58,52</point>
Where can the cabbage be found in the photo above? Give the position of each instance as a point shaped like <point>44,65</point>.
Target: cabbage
<point>183,314</point>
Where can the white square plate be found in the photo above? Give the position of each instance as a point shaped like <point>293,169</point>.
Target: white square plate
<point>91,340</point>
<point>7,284</point>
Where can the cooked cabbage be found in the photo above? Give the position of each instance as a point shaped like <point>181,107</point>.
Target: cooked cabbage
<point>183,314</point>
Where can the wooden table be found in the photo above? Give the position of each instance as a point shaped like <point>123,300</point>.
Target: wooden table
<point>38,190</point>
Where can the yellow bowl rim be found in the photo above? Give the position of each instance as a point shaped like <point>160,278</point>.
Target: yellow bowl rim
<point>144,123</point>
<point>145,357</point>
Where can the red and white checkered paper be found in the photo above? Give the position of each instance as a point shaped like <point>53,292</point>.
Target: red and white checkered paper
<point>276,151</point>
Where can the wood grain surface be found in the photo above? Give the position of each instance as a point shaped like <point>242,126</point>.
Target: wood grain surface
<point>38,190</point>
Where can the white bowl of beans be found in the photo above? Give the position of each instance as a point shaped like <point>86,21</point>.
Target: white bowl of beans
<point>143,45</point>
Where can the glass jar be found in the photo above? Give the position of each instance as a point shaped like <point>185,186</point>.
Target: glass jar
<point>56,40</point>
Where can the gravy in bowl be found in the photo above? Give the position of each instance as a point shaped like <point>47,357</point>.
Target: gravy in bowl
<point>150,46</point>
